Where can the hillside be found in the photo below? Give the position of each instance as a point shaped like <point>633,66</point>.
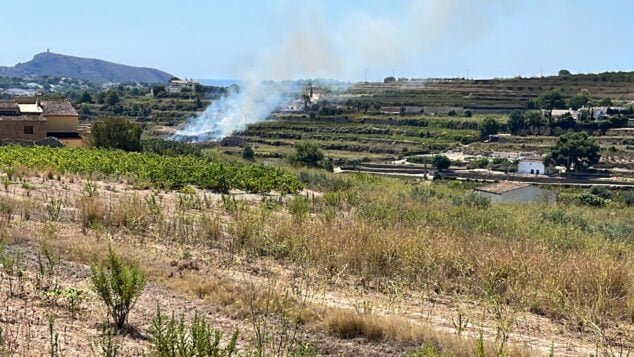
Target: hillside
<point>54,64</point>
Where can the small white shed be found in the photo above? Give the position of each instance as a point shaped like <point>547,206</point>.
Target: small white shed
<point>531,166</point>
<point>508,191</point>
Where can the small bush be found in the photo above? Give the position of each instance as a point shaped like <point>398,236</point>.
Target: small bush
<point>172,337</point>
<point>601,191</point>
<point>306,154</point>
<point>299,207</point>
<point>119,286</point>
<point>584,199</point>
<point>169,147</point>
<point>472,200</point>
<point>247,152</point>
<point>628,198</point>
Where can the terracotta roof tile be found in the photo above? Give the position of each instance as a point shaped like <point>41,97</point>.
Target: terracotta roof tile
<point>58,107</point>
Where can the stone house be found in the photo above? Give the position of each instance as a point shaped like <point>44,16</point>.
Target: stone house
<point>29,118</point>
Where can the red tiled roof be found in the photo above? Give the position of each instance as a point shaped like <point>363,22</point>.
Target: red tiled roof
<point>58,107</point>
<point>502,187</point>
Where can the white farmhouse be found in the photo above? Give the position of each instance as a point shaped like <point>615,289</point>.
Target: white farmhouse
<point>531,165</point>
<point>177,85</point>
<point>508,191</point>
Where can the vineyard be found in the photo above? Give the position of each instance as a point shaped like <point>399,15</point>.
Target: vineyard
<point>161,171</point>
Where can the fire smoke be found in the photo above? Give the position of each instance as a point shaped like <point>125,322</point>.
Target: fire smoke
<point>315,49</point>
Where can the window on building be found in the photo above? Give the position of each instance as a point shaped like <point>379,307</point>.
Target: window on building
<point>28,129</point>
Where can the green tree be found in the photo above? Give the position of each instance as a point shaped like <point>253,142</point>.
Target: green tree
<point>552,99</point>
<point>575,149</point>
<point>585,116</point>
<point>535,120</point>
<point>119,285</point>
<point>85,97</point>
<point>582,98</point>
<point>516,121</point>
<point>84,111</point>
<point>101,97</point>
<point>489,126</point>
<point>112,98</point>
<point>564,72</point>
<point>159,91</point>
<point>306,154</point>
<point>389,79</point>
<point>606,102</point>
<point>441,162</point>
<point>116,133</point>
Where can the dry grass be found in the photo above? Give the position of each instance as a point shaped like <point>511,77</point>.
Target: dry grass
<point>352,324</point>
<point>376,233</point>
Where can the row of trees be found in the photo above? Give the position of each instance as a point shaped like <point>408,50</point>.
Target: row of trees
<point>554,99</point>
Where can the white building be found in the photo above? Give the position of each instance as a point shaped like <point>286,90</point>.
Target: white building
<point>599,113</point>
<point>508,191</point>
<point>294,106</point>
<point>177,85</point>
<point>531,165</point>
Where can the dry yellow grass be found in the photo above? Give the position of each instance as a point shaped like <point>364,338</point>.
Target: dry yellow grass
<point>379,237</point>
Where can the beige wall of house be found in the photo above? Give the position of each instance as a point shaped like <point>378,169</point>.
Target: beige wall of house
<point>62,124</point>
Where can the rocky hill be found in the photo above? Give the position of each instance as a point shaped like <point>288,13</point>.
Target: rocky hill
<point>54,64</point>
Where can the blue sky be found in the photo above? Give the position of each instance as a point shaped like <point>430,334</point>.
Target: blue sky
<point>334,38</point>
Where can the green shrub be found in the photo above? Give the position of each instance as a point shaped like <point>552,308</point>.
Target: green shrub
<point>441,162</point>
<point>481,163</point>
<point>306,154</point>
<point>601,191</point>
<point>422,193</point>
<point>116,133</point>
<point>472,200</point>
<point>169,147</point>
<point>247,152</point>
<point>584,199</point>
<point>628,198</point>
<point>119,286</point>
<point>171,337</point>
<point>299,207</point>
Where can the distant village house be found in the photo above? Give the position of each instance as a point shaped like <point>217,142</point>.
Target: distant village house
<point>177,85</point>
<point>532,165</point>
<point>508,191</point>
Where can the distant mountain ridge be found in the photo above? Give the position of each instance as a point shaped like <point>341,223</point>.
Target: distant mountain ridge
<point>54,64</point>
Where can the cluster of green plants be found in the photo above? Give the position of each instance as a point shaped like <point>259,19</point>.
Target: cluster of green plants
<point>170,336</point>
<point>169,147</point>
<point>169,172</point>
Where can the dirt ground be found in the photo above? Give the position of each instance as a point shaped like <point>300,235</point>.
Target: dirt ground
<point>179,273</point>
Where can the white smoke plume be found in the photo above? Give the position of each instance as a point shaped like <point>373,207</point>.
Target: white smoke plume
<point>315,49</point>
<point>234,112</point>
